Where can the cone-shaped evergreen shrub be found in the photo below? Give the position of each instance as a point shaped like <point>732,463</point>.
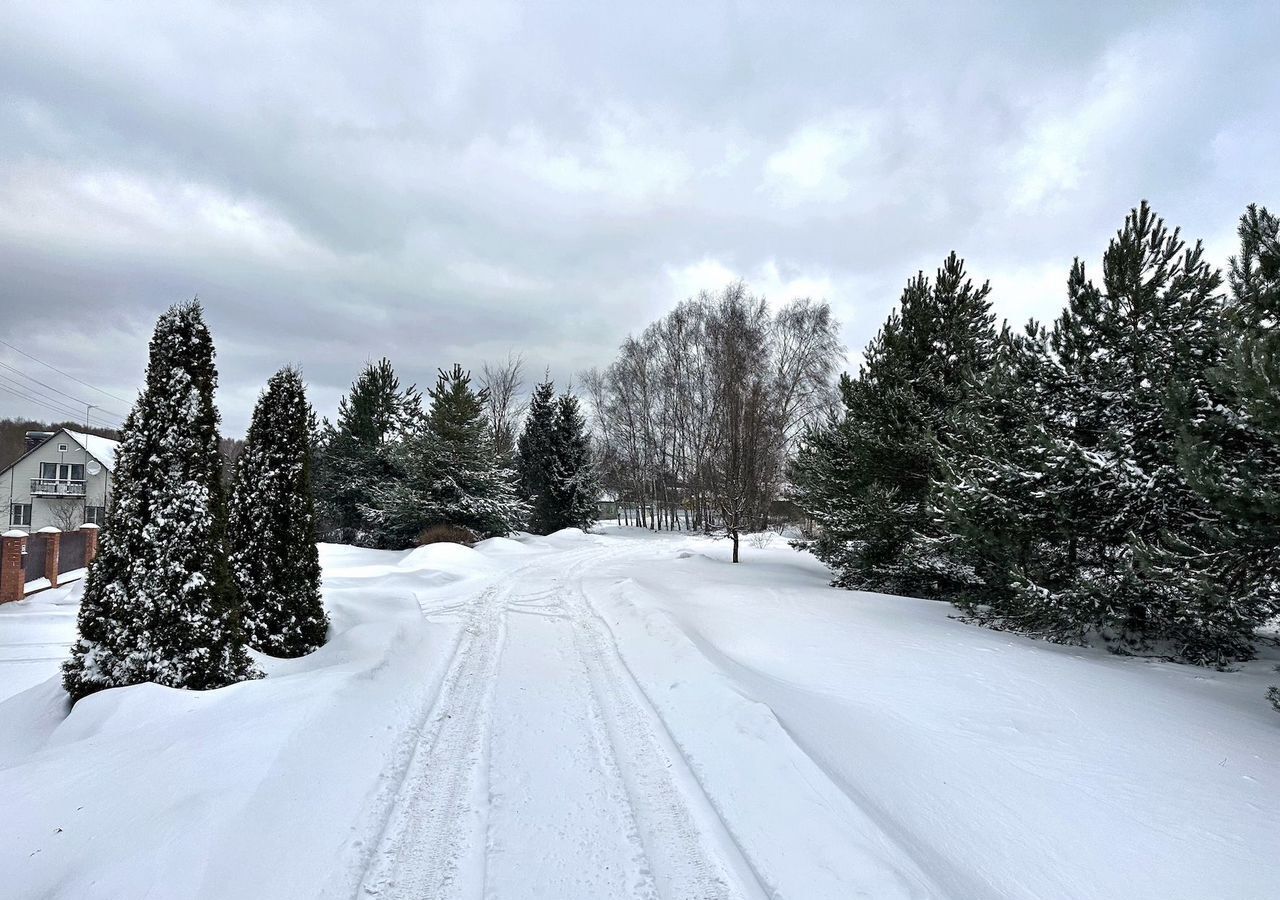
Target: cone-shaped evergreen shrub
<point>273,528</point>
<point>160,604</point>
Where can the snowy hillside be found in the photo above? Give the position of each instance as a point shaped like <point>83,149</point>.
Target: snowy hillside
<point>623,715</point>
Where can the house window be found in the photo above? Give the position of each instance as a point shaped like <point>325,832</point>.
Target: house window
<point>95,515</point>
<point>20,514</point>
<point>62,448</point>
<point>62,471</point>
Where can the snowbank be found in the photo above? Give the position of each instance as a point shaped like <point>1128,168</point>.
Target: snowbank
<point>245,791</point>
<point>498,546</point>
<point>1002,766</point>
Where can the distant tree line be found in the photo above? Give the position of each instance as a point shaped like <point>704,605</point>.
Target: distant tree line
<point>395,470</point>
<point>1114,475</point>
<point>695,419</point>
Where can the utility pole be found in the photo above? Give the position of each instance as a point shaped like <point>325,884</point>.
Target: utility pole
<point>84,503</point>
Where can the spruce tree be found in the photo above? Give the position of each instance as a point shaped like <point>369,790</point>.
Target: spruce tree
<point>453,473</point>
<point>536,459</point>
<point>558,478</point>
<point>357,457</point>
<point>575,486</point>
<point>868,478</point>
<point>160,604</point>
<point>273,529</point>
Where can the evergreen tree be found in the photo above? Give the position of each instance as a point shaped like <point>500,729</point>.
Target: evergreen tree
<point>453,475</point>
<point>558,476</point>
<point>273,529</point>
<point>1152,326</point>
<point>1069,494</point>
<point>575,486</point>
<point>536,459</point>
<point>357,458</point>
<point>868,478</point>
<point>1014,499</point>
<point>160,604</point>
<point>1224,572</point>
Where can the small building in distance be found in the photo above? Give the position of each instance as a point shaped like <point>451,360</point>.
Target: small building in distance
<point>62,481</point>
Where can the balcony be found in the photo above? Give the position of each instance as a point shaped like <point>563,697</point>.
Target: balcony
<point>47,487</point>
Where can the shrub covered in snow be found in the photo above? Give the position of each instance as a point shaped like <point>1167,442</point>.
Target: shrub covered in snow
<point>273,528</point>
<point>160,604</point>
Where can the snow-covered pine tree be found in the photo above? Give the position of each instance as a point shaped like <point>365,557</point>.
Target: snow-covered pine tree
<point>1224,572</point>
<point>868,479</point>
<point>535,458</point>
<point>273,529</point>
<point>1109,467</point>
<point>453,474</point>
<point>160,604</point>
<point>356,459</point>
<point>575,487</point>
<point>1011,522</point>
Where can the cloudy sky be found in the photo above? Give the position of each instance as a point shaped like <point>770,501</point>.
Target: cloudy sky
<point>438,181</point>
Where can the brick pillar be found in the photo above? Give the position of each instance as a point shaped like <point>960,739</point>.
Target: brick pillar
<point>12,580</point>
<point>54,538</point>
<point>90,543</point>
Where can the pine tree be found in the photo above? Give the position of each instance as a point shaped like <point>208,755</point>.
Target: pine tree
<point>535,459</point>
<point>160,604</point>
<point>1015,500</point>
<point>356,458</point>
<point>1152,326</point>
<point>273,530</point>
<point>453,474</point>
<point>1224,571</point>
<point>1078,474</point>
<point>869,477</point>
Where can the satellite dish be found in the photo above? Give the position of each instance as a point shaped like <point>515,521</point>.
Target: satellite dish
<point>93,467</point>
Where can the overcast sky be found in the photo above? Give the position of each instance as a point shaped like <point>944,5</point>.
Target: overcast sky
<point>440,182</point>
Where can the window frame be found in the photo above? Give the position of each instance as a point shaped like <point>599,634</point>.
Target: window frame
<point>15,515</point>
<point>63,473</point>
<point>95,515</point>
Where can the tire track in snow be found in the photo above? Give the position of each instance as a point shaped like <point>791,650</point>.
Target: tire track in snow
<point>692,853</point>
<point>431,832</point>
<point>428,842</point>
<point>580,715</point>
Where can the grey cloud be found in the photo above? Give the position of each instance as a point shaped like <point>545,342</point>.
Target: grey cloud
<point>444,181</point>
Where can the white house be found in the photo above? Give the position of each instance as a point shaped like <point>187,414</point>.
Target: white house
<point>63,480</point>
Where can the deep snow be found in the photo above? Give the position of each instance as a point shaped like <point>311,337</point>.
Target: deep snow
<point>630,715</point>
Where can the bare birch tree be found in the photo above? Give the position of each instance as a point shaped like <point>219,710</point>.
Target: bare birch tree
<point>504,407</point>
<point>694,419</point>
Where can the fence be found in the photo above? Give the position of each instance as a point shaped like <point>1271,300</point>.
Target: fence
<point>33,563</point>
<point>25,559</point>
<point>71,552</point>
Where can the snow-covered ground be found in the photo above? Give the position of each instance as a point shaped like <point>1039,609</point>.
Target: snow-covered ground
<point>624,715</point>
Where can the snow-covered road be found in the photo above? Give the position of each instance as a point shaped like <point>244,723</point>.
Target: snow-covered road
<point>540,769</point>
<point>624,715</point>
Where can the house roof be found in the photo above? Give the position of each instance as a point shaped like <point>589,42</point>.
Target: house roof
<point>100,448</point>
